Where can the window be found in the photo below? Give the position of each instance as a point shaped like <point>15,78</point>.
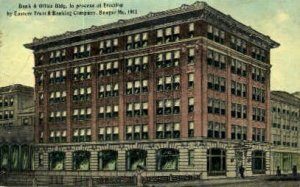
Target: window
<point>238,67</point>
<point>168,83</point>
<point>191,55</point>
<point>82,135</point>
<point>108,46</point>
<point>57,116</point>
<point>258,162</point>
<point>216,59</point>
<point>41,159</point>
<point>216,130</point>
<point>191,129</point>
<point>137,40</point>
<point>216,162</point>
<point>168,59</point>
<point>258,54</point>
<point>191,80</point>
<point>238,44</point>
<point>82,114</point>
<point>57,97</point>
<point>108,133</point>
<point>167,159</point>
<point>106,112</point>
<point>258,114</point>
<point>191,156</point>
<point>166,35</point>
<point>58,136</point>
<point>258,134</point>
<point>167,130</point>
<point>107,160</point>
<point>82,94</point>
<point>238,132</point>
<point>56,56</point>
<point>191,30</point>
<point>168,106</point>
<point>136,132</point>
<point>82,51</point>
<point>57,77</point>
<point>108,68</point>
<point>238,111</point>
<point>137,109</point>
<point>215,34</point>
<point>82,73</point>
<point>135,158</point>
<point>238,89</point>
<point>57,160</point>
<point>81,160</point>
<point>258,75</point>
<point>216,106</point>
<point>136,87</point>
<point>258,94</point>
<point>191,104</point>
<point>136,64</point>
<point>216,83</point>
<point>39,79</point>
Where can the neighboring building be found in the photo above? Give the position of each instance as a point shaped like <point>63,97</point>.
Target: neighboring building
<point>297,94</point>
<point>183,92</point>
<point>285,131</point>
<point>17,118</point>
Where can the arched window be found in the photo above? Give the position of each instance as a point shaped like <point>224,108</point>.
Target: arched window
<point>107,160</point>
<point>167,159</point>
<point>134,158</point>
<point>14,156</point>
<point>258,162</point>
<point>81,160</point>
<point>216,161</point>
<point>25,158</point>
<point>4,157</point>
<point>57,160</point>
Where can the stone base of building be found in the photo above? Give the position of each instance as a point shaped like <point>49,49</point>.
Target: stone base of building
<point>156,159</point>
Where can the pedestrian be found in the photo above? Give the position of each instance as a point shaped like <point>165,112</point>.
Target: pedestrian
<point>278,171</point>
<point>241,171</point>
<point>294,170</point>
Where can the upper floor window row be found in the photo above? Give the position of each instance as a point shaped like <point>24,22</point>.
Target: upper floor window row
<point>6,102</point>
<point>137,41</point>
<point>56,56</point>
<point>238,44</point>
<point>238,67</point>
<point>168,59</point>
<point>108,46</point>
<point>82,51</point>
<point>136,64</point>
<point>258,54</point>
<point>57,77</point>
<point>216,83</point>
<point>169,34</point>
<point>57,97</point>
<point>82,73</point>
<point>216,59</point>
<point>258,75</point>
<point>215,34</point>
<point>108,68</point>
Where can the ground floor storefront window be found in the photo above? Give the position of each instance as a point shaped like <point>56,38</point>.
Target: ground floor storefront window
<point>167,159</point>
<point>258,162</point>
<point>81,160</point>
<point>57,160</point>
<point>107,160</point>
<point>216,162</point>
<point>135,158</point>
<point>4,157</point>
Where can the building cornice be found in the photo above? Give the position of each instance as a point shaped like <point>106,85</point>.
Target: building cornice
<point>204,12</point>
<point>285,97</point>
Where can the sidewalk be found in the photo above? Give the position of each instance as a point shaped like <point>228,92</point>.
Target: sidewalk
<point>208,182</point>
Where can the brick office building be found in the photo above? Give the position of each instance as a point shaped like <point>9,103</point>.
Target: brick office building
<point>285,112</point>
<point>170,91</point>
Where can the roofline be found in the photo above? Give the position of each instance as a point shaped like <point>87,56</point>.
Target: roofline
<point>148,17</point>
